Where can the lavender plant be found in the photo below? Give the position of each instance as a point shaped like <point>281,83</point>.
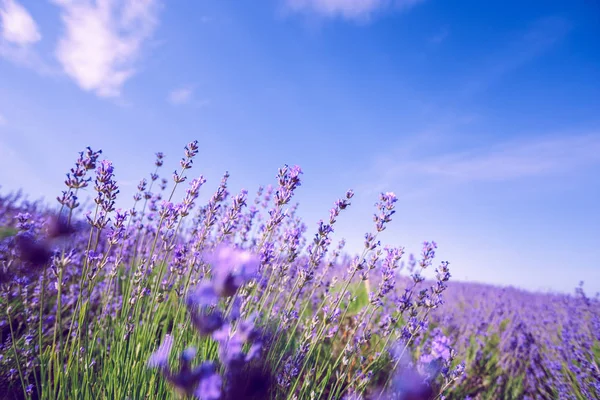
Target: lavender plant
<point>231,299</point>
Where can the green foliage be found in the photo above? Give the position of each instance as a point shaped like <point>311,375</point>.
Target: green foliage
<point>7,231</point>
<point>359,297</point>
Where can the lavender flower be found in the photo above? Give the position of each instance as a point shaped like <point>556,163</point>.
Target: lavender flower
<point>199,381</point>
<point>231,268</point>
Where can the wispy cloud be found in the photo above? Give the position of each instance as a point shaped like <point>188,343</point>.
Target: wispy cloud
<point>181,95</point>
<point>18,35</point>
<point>18,26</point>
<point>185,95</point>
<point>102,40</point>
<point>502,162</point>
<point>518,159</point>
<point>349,9</point>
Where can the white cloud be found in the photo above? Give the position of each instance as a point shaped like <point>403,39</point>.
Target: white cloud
<point>185,96</point>
<point>519,159</point>
<point>350,9</point>
<point>18,34</point>
<point>102,40</point>
<point>26,56</point>
<point>504,162</point>
<point>18,26</point>
<point>180,96</point>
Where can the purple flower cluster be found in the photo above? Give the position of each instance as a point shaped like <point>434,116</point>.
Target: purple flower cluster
<point>231,268</point>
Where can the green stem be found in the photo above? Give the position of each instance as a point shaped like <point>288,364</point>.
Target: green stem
<point>12,337</point>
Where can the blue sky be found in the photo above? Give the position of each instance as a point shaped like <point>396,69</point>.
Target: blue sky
<point>484,119</point>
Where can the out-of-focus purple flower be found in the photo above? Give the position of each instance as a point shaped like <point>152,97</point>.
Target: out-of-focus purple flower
<point>160,358</point>
<point>209,387</point>
<point>201,302</point>
<point>58,227</point>
<point>232,341</point>
<point>437,358</point>
<point>231,268</point>
<point>206,322</point>
<point>199,381</point>
<point>202,296</point>
<point>31,251</point>
<point>24,221</point>
<point>440,348</point>
<point>407,384</point>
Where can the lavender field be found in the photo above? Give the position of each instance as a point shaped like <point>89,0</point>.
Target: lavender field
<point>239,299</point>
